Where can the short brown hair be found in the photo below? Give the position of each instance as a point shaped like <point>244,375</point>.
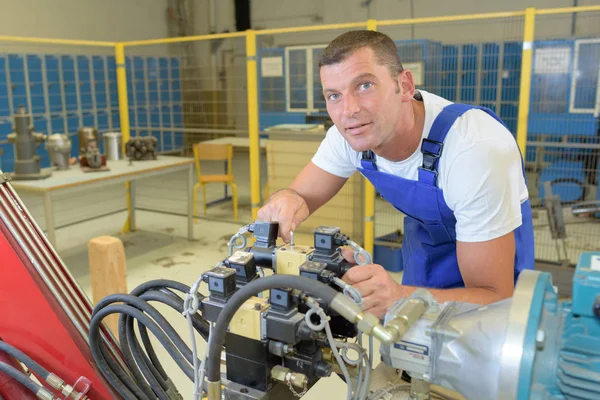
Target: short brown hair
<point>346,44</point>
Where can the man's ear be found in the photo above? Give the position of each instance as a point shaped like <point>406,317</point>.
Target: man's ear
<point>407,85</point>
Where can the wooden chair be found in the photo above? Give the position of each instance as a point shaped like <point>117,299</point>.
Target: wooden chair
<point>214,152</point>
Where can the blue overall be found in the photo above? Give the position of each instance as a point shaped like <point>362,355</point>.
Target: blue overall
<point>429,243</point>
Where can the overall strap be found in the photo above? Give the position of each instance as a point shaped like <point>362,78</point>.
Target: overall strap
<point>432,146</point>
<point>367,160</point>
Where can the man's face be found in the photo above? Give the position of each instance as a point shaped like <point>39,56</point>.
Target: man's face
<point>363,99</point>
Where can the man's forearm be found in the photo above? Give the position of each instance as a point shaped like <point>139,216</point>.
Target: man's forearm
<point>463,295</point>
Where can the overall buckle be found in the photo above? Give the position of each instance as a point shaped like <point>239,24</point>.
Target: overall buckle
<point>432,151</point>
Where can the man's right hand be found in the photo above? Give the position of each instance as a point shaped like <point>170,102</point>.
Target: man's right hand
<point>286,207</point>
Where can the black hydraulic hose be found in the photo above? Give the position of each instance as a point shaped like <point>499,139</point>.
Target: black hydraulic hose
<point>121,374</point>
<point>151,353</point>
<point>138,375</point>
<point>182,363</point>
<point>156,383</point>
<point>20,377</point>
<point>156,316</point>
<point>313,287</point>
<point>25,359</point>
<point>176,303</point>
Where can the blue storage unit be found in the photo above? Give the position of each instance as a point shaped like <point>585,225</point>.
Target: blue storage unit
<point>167,136</point>
<point>55,97</point>
<point>69,83</point>
<point>111,68</point>
<point>142,117</point>
<point>152,80</point>
<point>99,82</point>
<point>449,77</point>
<point>470,72</point>
<point>85,84</point>
<point>175,76</point>
<point>57,124</point>
<point>4,103</point>
<point>36,84</point>
<point>116,120</point>
<point>102,118</point>
<point>488,80</point>
<point>164,81</point>
<point>5,129</point>
<point>139,81</point>
<point>18,88</point>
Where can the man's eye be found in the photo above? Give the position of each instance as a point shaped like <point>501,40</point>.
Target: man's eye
<point>333,96</point>
<point>366,85</point>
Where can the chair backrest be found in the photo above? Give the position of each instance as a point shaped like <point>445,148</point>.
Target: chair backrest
<point>213,152</point>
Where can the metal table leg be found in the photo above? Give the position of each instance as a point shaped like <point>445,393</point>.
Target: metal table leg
<point>49,214</point>
<point>132,202</point>
<point>190,199</point>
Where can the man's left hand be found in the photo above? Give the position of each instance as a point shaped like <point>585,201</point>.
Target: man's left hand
<point>376,286</point>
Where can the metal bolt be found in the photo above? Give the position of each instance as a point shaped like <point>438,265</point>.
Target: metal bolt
<point>540,339</point>
<point>257,306</point>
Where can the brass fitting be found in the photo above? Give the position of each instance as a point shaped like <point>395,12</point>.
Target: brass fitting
<point>283,374</point>
<point>214,390</point>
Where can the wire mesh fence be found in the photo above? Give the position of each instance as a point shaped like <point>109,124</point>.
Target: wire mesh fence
<point>474,62</point>
<point>188,93</point>
<point>563,135</point>
<point>293,117</point>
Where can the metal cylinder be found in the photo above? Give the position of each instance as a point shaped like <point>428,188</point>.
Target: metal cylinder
<point>112,146</point>
<point>25,141</point>
<point>86,135</point>
<point>58,146</point>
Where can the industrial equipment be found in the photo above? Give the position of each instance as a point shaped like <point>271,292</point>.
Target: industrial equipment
<point>58,146</point>
<point>112,145</point>
<point>26,141</point>
<point>141,148</point>
<point>282,333</point>
<point>90,158</point>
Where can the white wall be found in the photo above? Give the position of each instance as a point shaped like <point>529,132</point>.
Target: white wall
<point>287,13</point>
<point>108,20</point>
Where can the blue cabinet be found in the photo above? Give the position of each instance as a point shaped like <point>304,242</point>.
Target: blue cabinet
<point>55,96</point>
<point>18,88</point>
<point>36,84</point>
<point>85,83</point>
<point>99,82</point>
<point>69,82</point>
<point>4,103</point>
<point>152,78</point>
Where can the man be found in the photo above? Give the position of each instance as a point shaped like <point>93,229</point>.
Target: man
<point>453,170</point>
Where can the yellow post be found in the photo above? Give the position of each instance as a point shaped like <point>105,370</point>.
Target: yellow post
<point>251,77</point>
<point>525,92</point>
<point>369,233</point>
<point>124,117</point>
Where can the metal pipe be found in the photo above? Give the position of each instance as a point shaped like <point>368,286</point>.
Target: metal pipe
<point>56,41</point>
<point>124,116</point>
<point>525,92</point>
<point>253,127</point>
<point>566,10</point>
<point>451,18</point>
<point>183,39</point>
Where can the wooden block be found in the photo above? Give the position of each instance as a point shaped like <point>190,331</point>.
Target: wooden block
<point>106,256</point>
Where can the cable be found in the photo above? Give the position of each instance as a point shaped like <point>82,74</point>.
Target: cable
<point>217,338</point>
<point>25,359</point>
<point>339,360</point>
<point>24,380</point>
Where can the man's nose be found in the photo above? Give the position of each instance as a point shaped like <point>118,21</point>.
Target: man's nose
<point>351,106</point>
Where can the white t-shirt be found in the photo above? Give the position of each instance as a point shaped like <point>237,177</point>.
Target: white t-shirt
<point>480,170</point>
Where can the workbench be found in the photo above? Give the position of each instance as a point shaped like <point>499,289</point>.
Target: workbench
<point>76,180</point>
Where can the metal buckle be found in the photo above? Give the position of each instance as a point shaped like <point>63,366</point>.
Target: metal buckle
<point>429,157</point>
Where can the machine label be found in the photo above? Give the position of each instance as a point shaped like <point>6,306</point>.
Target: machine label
<point>595,263</point>
<point>415,352</point>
